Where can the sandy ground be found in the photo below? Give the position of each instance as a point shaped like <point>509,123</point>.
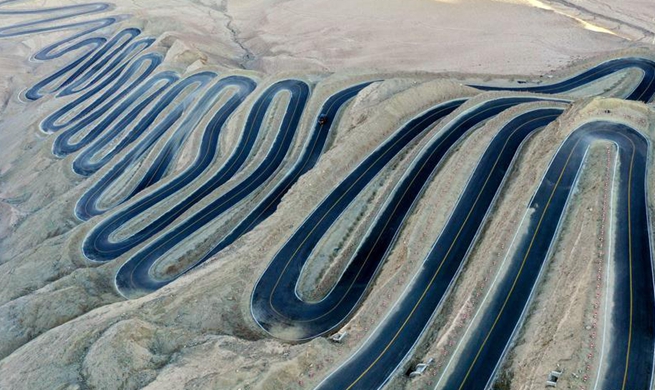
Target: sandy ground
<point>426,35</point>
<point>631,19</point>
<point>197,333</point>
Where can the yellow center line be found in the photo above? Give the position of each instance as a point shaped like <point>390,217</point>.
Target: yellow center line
<point>646,90</point>
<point>627,353</point>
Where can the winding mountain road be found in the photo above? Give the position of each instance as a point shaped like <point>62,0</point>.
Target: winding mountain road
<point>126,123</point>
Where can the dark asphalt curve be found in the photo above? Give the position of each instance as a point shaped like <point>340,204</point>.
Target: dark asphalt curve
<point>632,318</point>
<point>148,132</point>
<point>275,305</point>
<point>99,247</point>
<point>51,23</point>
<point>643,91</point>
<point>134,277</point>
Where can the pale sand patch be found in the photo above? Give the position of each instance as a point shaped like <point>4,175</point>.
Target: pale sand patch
<point>542,5</point>
<point>425,35</point>
<point>634,19</point>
